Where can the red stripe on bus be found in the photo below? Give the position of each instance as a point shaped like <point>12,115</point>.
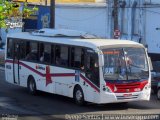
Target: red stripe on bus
<point>63,75</point>
<point>30,68</point>
<point>33,70</point>
<point>9,61</point>
<point>90,83</point>
<point>56,74</point>
<point>41,74</point>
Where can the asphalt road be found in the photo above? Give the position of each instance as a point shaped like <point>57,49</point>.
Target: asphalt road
<point>17,104</point>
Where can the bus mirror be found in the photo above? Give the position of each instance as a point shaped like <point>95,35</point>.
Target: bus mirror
<point>101,60</point>
<point>150,63</point>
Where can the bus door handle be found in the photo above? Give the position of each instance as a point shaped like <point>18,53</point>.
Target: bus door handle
<point>84,83</point>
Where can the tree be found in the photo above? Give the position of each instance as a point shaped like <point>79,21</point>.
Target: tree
<point>10,12</point>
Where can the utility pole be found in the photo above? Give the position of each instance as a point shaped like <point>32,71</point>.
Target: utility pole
<point>52,14</point>
<point>46,2</point>
<point>115,15</point>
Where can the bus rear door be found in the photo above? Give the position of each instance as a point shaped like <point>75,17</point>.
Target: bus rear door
<point>16,57</point>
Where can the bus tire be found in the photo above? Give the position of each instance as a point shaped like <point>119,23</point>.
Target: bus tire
<point>158,94</point>
<point>78,95</point>
<point>32,86</point>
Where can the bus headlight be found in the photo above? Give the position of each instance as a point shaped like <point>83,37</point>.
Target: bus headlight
<point>107,89</point>
<point>146,87</point>
<point>137,89</point>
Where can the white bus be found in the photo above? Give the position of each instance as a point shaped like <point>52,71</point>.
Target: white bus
<point>64,63</point>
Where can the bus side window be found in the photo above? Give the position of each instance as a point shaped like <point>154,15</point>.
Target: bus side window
<point>64,56</point>
<point>10,48</point>
<point>41,52</point>
<point>61,55</point>
<point>45,53</point>
<point>32,51</point>
<point>57,55</point>
<point>77,58</point>
<point>22,50</point>
<point>82,59</point>
<point>52,54</point>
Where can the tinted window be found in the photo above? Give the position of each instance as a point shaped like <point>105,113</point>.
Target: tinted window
<point>32,51</point>
<point>10,48</point>
<point>22,50</point>
<point>45,53</point>
<point>62,55</point>
<point>52,54</point>
<point>77,58</point>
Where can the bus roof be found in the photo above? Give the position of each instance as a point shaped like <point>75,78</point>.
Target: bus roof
<point>75,40</point>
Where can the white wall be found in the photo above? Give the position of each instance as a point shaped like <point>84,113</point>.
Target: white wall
<point>153,1</point>
<point>92,18</point>
<point>153,35</point>
<point>148,21</point>
<point>132,22</point>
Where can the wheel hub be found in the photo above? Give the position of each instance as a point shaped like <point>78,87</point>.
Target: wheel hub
<point>31,86</point>
<point>79,95</point>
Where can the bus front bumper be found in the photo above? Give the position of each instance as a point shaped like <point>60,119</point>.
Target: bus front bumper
<point>107,97</point>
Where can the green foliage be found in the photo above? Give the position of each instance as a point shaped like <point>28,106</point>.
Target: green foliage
<point>10,11</point>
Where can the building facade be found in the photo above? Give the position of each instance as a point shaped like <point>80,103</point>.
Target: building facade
<point>138,20</point>
<point>91,18</point>
<point>61,1</point>
<point>152,28</point>
<point>131,23</point>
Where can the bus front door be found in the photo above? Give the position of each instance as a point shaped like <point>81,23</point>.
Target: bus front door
<point>92,73</point>
<point>16,62</point>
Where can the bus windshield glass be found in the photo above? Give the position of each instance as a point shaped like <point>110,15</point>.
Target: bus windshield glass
<point>125,64</point>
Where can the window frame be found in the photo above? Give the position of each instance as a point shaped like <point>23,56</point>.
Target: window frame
<point>12,48</point>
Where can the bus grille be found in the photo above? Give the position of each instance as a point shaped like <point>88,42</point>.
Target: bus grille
<point>127,87</point>
<point>127,97</point>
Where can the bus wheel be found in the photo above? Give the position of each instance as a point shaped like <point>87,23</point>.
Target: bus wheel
<point>78,95</point>
<point>32,86</point>
<point>158,94</point>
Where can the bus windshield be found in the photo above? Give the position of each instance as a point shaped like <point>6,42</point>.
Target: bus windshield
<point>125,64</point>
